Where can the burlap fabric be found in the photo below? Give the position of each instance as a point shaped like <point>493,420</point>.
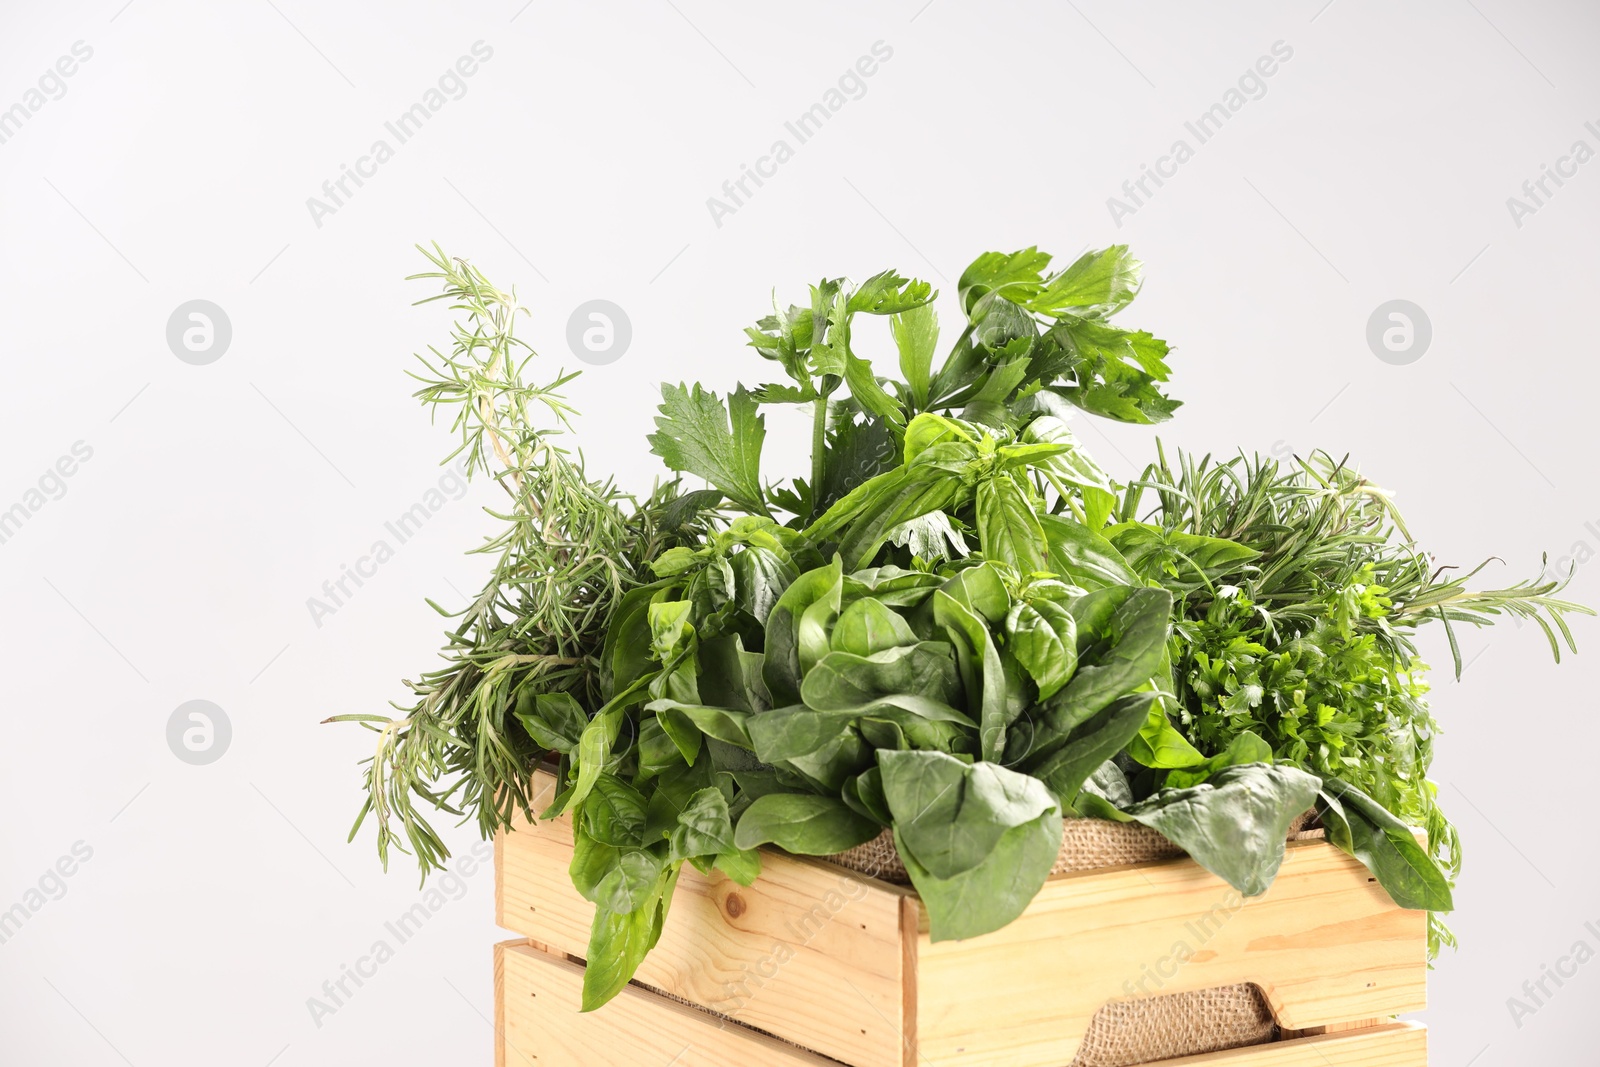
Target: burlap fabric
<point>1086,845</point>
<point>1129,1032</point>
<point>1145,1030</point>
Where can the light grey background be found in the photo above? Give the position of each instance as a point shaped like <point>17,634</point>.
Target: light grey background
<point>178,563</point>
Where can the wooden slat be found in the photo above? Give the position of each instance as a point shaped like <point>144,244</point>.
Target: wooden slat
<point>1325,944</point>
<point>811,952</point>
<point>538,1024</point>
<point>1393,1045</point>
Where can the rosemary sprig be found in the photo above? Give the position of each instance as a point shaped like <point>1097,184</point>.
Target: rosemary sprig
<point>569,550</point>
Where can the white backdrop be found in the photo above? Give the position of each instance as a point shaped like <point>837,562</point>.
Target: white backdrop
<point>175,518</point>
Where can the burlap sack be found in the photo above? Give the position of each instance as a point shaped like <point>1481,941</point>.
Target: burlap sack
<point>1086,845</point>
<point>1130,1032</point>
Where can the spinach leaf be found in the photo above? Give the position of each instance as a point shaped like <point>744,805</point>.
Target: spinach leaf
<point>1366,830</point>
<point>980,590</point>
<point>867,626</point>
<point>803,824</point>
<point>992,894</point>
<point>951,815</point>
<point>730,677</point>
<point>864,795</point>
<point>1127,650</point>
<point>982,672</point>
<point>842,680</point>
<point>1235,824</point>
<point>724,724</point>
<point>783,669</point>
<point>1245,748</point>
<point>792,732</point>
<point>1064,768</point>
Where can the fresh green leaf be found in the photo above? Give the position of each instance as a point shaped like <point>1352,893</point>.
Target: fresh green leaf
<point>804,825</point>
<point>697,434</point>
<point>1234,825</point>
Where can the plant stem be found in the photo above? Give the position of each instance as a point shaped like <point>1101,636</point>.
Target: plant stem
<point>819,438</point>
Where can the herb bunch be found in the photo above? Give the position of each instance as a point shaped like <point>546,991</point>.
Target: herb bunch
<point>1305,636</point>
<point>953,627</point>
<point>569,550</point>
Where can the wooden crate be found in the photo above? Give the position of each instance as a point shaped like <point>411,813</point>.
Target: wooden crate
<point>842,964</point>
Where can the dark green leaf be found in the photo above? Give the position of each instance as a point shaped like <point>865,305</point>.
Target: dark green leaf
<point>1105,734</point>
<point>1234,825</point>
<point>950,815</point>
<point>803,824</point>
<point>1388,847</point>
<point>1043,636</point>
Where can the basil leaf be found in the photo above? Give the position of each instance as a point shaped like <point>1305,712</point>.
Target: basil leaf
<point>619,942</point>
<point>553,720</point>
<point>1083,556</point>
<point>760,577</point>
<point>613,814</point>
<point>1008,527</point>
<point>630,882</point>
<point>1043,636</point>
